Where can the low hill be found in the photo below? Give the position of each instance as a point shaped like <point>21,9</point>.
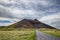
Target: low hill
<point>27,23</point>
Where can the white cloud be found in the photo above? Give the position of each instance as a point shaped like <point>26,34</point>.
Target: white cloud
<point>45,3</point>
<point>23,13</point>
<point>17,11</point>
<point>50,17</point>
<point>53,20</point>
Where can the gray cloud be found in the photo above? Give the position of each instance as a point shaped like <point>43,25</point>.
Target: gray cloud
<point>5,12</point>
<point>39,9</point>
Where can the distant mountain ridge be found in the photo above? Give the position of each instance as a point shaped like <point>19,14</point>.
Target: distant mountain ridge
<point>28,23</point>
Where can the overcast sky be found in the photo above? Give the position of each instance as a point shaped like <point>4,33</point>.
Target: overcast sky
<point>47,11</point>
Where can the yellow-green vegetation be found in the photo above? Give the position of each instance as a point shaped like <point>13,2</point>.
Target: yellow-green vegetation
<point>15,29</point>
<point>23,34</point>
<point>54,32</point>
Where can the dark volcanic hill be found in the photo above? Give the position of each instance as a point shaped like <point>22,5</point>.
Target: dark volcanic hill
<point>27,23</point>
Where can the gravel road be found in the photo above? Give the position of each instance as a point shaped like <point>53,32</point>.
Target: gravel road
<point>44,36</point>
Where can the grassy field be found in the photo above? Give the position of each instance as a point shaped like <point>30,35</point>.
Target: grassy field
<point>23,34</point>
<point>53,32</point>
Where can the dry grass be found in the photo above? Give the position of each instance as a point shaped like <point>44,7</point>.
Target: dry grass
<point>25,34</point>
